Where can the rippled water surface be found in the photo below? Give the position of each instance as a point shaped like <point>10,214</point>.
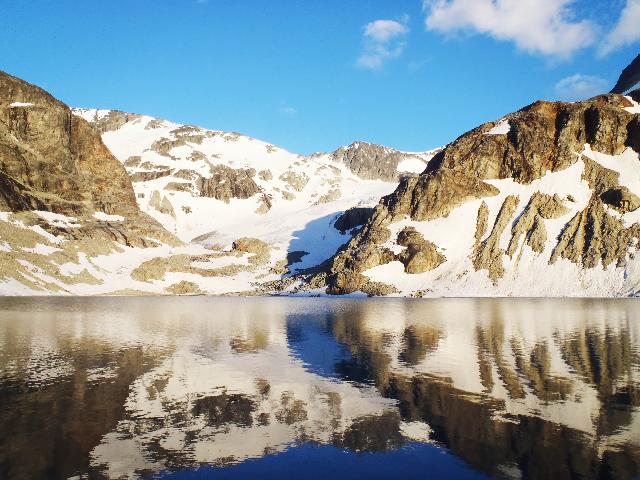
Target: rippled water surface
<point>319,388</point>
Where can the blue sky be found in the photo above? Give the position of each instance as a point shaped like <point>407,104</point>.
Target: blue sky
<point>311,75</point>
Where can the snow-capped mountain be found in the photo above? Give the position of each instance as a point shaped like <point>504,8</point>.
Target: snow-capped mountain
<point>215,186</point>
<point>544,201</point>
<point>184,210</point>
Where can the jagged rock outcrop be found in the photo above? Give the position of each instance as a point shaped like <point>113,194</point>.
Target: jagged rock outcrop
<point>372,162</point>
<point>481,222</point>
<point>110,120</point>
<point>64,198</point>
<point>259,250</point>
<point>226,183</point>
<point>488,254</point>
<point>436,195</point>
<point>531,222</point>
<point>419,255</point>
<point>54,158</point>
<point>594,237</point>
<point>352,218</point>
<point>295,180</point>
<point>621,198</point>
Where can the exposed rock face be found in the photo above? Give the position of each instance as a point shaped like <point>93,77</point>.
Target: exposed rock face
<point>352,218</point>
<point>226,183</point>
<point>295,180</point>
<point>161,204</point>
<point>184,288</point>
<point>593,237</point>
<point>481,222</point>
<point>259,249</point>
<point>149,175</point>
<point>488,254</point>
<point>629,77</point>
<point>622,199</point>
<point>542,139</point>
<point>54,160</point>
<point>372,162</point>
<point>435,195</point>
<point>531,222</point>
<point>420,255</point>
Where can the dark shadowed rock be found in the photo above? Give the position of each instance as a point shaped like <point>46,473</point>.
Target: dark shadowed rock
<point>629,77</point>
<point>226,183</point>
<point>354,217</point>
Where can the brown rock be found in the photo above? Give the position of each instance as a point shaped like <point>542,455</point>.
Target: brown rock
<point>295,180</point>
<point>531,222</point>
<point>488,254</point>
<point>621,198</point>
<point>226,183</point>
<point>420,255</point>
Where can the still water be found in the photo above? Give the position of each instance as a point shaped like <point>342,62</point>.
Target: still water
<point>261,388</point>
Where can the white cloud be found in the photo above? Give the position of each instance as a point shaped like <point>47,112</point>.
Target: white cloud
<point>546,27</point>
<point>580,87</point>
<point>289,111</point>
<point>383,40</point>
<point>626,31</point>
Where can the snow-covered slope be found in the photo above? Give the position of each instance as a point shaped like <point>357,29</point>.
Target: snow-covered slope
<point>273,192</point>
<point>247,212</point>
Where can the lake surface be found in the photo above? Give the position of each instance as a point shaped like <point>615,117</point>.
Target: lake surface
<point>198,387</point>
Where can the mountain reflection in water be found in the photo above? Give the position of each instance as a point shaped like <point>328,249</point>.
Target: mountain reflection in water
<point>247,388</point>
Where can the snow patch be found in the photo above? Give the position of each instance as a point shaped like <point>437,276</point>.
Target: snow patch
<point>41,249</point>
<point>635,108</point>
<point>58,219</point>
<point>502,128</point>
<point>105,217</point>
<point>412,165</point>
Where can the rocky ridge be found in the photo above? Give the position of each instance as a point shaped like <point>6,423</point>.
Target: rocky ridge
<point>62,194</point>
<point>551,181</point>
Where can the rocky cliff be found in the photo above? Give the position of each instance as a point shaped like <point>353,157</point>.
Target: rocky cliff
<point>62,193</point>
<point>541,202</point>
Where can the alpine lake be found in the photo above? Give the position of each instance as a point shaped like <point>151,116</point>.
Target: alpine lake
<point>317,388</point>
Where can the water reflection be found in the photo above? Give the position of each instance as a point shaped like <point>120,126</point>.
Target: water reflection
<point>121,388</point>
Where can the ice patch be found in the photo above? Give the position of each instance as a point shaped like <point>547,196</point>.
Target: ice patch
<point>21,104</point>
